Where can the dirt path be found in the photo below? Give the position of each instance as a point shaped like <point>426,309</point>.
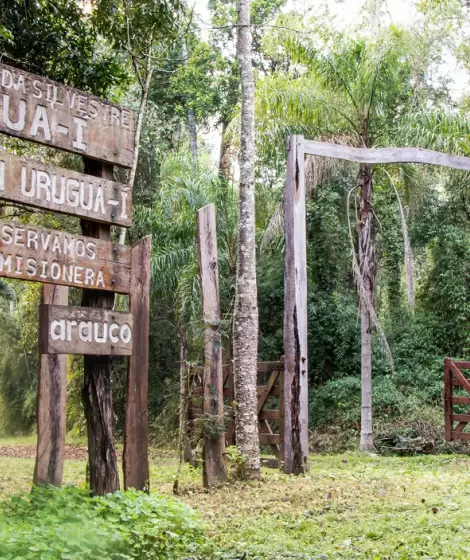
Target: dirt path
<point>72,452</point>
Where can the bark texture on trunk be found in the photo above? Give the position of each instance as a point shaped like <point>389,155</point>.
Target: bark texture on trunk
<point>367,270</point>
<point>138,132</point>
<point>224,159</point>
<point>245,322</point>
<point>192,130</point>
<point>51,405</point>
<point>96,394</point>
<point>189,454</point>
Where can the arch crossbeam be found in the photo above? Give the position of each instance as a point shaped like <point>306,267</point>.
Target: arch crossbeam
<point>385,155</point>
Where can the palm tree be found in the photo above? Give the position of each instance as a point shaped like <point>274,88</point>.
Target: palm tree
<point>359,91</point>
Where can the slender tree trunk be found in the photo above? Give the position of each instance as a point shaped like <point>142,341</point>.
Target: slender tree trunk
<point>138,133</point>
<point>223,157</point>
<point>367,269</point>
<point>245,322</point>
<point>191,120</point>
<point>189,454</point>
<point>96,394</point>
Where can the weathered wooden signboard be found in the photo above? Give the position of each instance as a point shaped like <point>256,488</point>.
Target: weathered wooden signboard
<point>38,109</point>
<point>29,182</point>
<point>87,331</point>
<point>43,111</point>
<point>42,255</point>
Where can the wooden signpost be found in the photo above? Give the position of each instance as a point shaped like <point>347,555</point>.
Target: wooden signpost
<point>43,255</point>
<point>82,330</point>
<point>43,111</point>
<point>38,109</point>
<point>51,188</point>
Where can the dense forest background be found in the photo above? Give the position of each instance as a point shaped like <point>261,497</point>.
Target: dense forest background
<point>312,78</point>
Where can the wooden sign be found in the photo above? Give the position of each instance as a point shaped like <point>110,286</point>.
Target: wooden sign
<point>29,182</point>
<point>42,255</point>
<point>38,109</point>
<point>83,330</point>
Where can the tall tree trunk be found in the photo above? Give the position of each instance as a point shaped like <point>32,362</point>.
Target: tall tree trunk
<point>245,321</point>
<point>138,132</point>
<point>189,454</point>
<point>96,394</point>
<point>223,157</point>
<point>191,120</point>
<point>367,270</point>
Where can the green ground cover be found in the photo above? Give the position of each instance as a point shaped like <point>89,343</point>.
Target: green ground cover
<point>348,506</point>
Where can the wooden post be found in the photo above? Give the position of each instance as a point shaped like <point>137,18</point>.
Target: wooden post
<point>214,467</point>
<point>135,457</point>
<point>96,395</point>
<point>294,405</point>
<point>52,396</point>
<point>447,401</point>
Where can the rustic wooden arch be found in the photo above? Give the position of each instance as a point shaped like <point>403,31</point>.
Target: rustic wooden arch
<point>294,409</point>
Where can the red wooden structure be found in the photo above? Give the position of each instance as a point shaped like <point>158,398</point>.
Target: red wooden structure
<point>269,389</point>
<point>455,381</point>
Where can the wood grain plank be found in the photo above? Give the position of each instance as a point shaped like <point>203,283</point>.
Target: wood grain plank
<point>29,182</point>
<point>294,400</point>
<point>214,467</point>
<point>41,255</point>
<point>464,382</point>
<point>135,455</point>
<point>269,414</point>
<point>447,401</point>
<point>460,400</point>
<point>385,155</point>
<point>461,435</point>
<point>460,418</point>
<point>462,365</point>
<point>83,330</point>
<point>271,439</point>
<point>44,111</point>
<point>263,396</point>
<point>51,406</point>
<point>275,391</point>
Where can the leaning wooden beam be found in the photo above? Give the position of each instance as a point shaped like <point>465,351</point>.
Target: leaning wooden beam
<point>385,155</point>
<point>214,468</point>
<point>52,394</point>
<point>294,397</point>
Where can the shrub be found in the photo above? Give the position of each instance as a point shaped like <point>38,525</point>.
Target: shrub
<point>70,524</point>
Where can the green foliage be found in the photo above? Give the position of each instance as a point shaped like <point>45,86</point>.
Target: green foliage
<point>53,38</point>
<point>69,523</point>
<point>19,358</point>
<point>236,463</point>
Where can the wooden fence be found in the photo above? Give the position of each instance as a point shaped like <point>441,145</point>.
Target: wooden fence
<point>456,382</point>
<point>269,389</point>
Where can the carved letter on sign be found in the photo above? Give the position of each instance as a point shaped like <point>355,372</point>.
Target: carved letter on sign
<point>43,255</point>
<point>50,113</point>
<point>29,182</point>
<point>83,330</point>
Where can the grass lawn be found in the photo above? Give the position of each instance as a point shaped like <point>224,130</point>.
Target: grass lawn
<point>348,506</point>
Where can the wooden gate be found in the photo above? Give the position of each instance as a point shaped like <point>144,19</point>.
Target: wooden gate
<point>269,389</point>
<point>456,394</point>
